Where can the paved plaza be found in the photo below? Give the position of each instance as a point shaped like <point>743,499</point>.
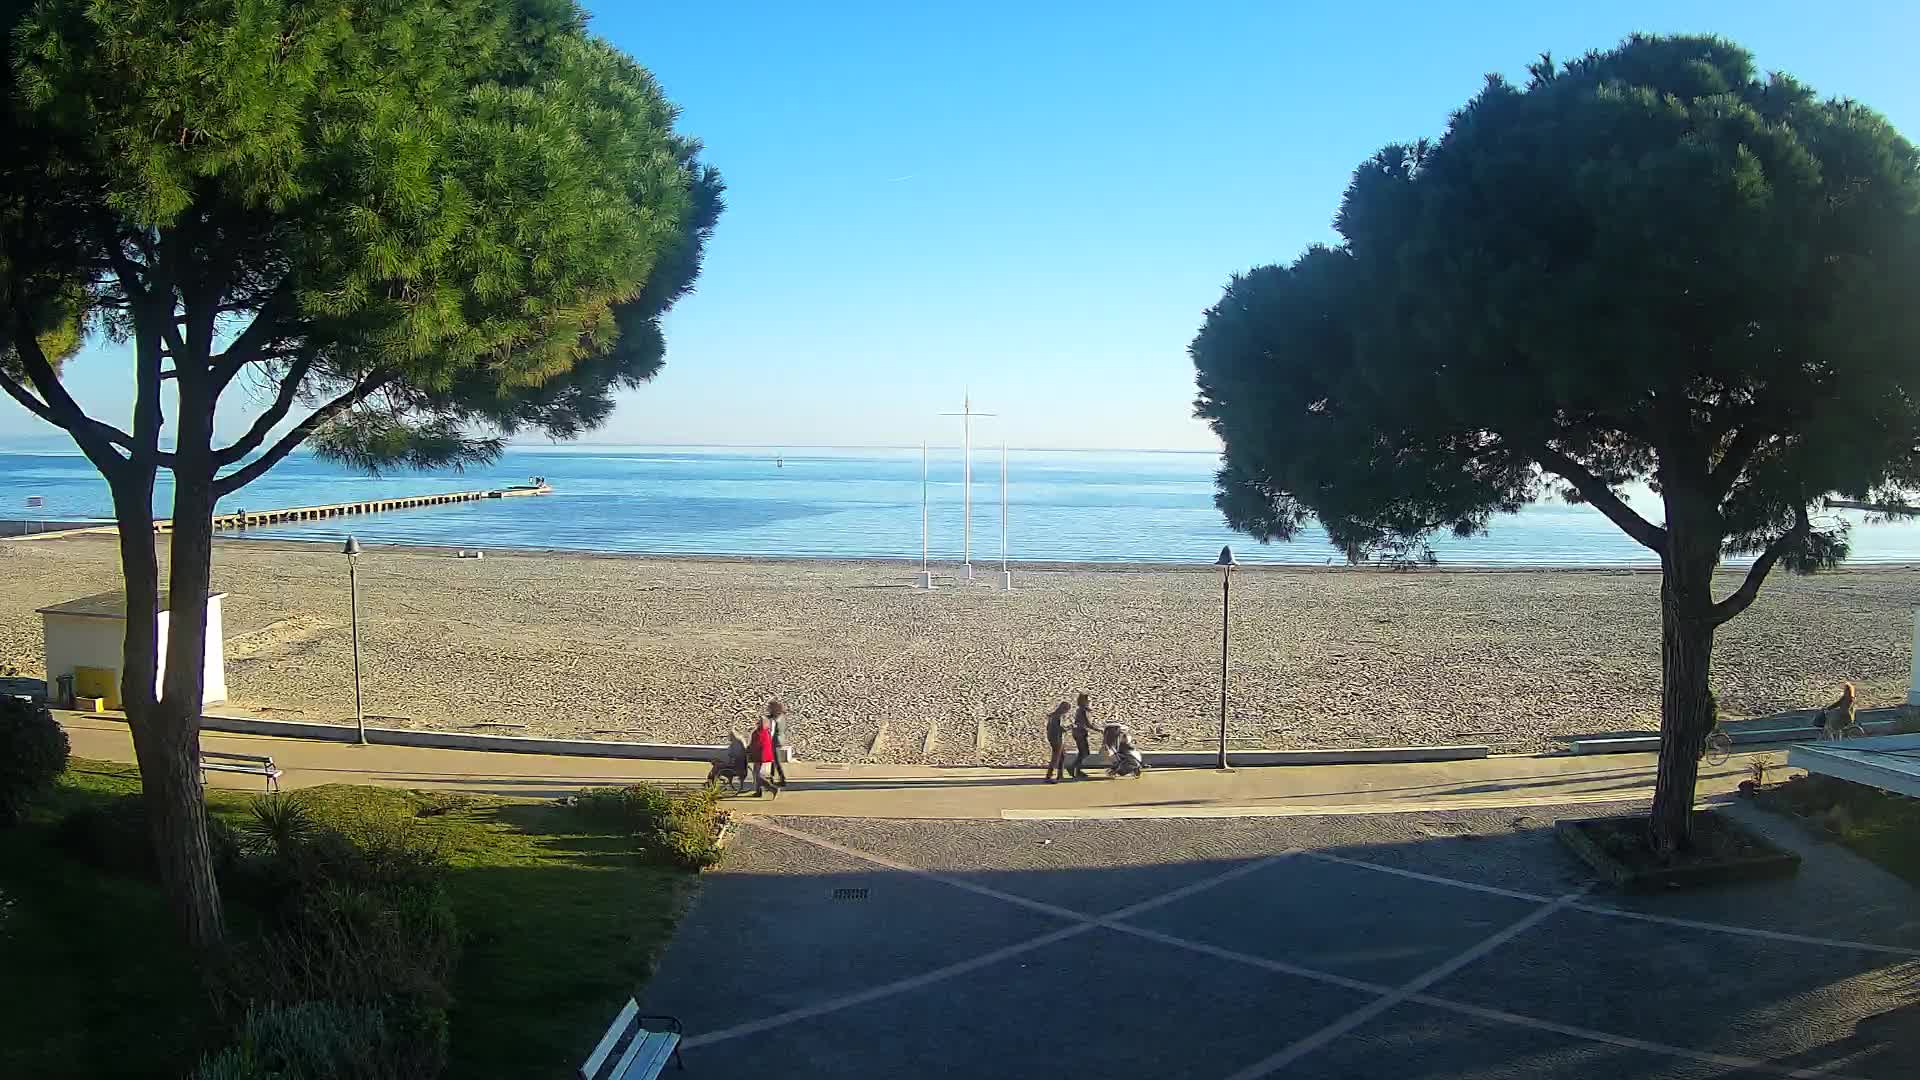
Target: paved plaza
<point>1460,944</point>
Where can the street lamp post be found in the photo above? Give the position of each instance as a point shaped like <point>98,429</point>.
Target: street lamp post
<point>352,551</point>
<point>1226,564</point>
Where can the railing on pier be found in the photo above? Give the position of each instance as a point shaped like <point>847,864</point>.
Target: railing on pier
<point>246,519</point>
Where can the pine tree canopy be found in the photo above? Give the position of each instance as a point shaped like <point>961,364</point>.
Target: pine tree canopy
<point>410,227</point>
<point>1648,265</point>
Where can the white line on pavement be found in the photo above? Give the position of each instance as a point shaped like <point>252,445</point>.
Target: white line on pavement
<point>1426,805</point>
<point>1622,913</point>
<point>1307,1045</point>
<point>874,993</point>
<point>1112,922</point>
<point>1477,1011</point>
<point>1746,931</point>
<point>1731,1061</point>
<point>1082,924</point>
<point>894,864</point>
<point>1434,879</point>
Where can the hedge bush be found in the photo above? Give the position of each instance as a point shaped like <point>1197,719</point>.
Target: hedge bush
<point>33,752</point>
<point>357,916</point>
<point>311,1040</point>
<point>113,836</point>
<point>679,830</point>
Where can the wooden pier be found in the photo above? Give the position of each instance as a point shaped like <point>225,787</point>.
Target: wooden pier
<point>246,519</point>
<point>1875,508</point>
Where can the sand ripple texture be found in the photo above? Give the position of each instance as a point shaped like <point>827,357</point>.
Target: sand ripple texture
<point>684,650</point>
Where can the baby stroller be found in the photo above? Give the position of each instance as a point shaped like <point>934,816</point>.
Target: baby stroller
<point>1123,758</point>
<point>733,767</point>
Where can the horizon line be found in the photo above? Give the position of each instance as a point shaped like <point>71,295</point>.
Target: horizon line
<point>67,449</point>
<point>872,446</point>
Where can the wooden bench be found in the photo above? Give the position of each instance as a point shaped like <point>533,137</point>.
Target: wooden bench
<point>646,1051</point>
<point>252,764</point>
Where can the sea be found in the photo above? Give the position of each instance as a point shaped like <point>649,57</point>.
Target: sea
<point>1096,506</point>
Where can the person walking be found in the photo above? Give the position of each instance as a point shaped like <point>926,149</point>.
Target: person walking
<point>1082,728</point>
<point>777,728</point>
<point>759,751</point>
<point>1057,743</point>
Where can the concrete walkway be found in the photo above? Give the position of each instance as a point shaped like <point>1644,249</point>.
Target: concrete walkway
<point>828,789</point>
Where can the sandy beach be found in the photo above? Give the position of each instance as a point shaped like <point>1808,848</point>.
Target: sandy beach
<point>680,650</point>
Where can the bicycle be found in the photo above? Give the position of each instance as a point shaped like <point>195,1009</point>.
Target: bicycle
<point>1852,730</point>
<point>1718,746</point>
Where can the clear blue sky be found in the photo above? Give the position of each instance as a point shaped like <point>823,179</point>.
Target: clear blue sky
<point>1038,200</point>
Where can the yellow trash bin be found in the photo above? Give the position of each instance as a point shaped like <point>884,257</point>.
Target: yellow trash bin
<point>97,682</point>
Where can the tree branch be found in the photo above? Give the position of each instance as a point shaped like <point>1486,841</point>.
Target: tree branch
<point>26,399</point>
<point>128,272</point>
<point>239,478</point>
<point>1596,492</point>
<point>1740,450</point>
<point>250,346</point>
<point>264,424</point>
<point>1749,590</point>
<point>95,439</point>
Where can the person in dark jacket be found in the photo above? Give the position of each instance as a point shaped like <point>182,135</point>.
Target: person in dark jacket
<point>777,727</point>
<point>1057,742</point>
<point>1083,727</point>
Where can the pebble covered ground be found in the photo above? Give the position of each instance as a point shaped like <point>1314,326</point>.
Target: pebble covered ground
<point>680,650</point>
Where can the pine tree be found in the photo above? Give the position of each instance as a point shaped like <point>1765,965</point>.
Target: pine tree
<point>1648,265</point>
<point>412,227</point>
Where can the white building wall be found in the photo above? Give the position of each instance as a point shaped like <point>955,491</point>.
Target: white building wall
<point>76,641</point>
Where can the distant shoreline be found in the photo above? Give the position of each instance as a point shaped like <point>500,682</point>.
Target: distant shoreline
<point>984,566</point>
<point>946,567</point>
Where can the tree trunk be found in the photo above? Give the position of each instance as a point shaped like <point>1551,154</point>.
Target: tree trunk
<point>1686,717</point>
<point>1686,665</point>
<point>180,817</point>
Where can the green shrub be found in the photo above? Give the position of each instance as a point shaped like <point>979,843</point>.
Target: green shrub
<point>680,830</point>
<point>278,825</point>
<point>293,854</point>
<point>314,1040</point>
<point>113,836</point>
<point>358,916</point>
<point>33,752</point>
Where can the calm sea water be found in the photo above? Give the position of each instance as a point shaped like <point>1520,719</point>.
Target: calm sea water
<point>1094,506</point>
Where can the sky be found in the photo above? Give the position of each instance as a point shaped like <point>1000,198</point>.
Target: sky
<point>1035,203</point>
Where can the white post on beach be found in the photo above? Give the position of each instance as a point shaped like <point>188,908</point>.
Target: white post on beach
<point>1006,577</point>
<point>1913,687</point>
<point>926,576</point>
<point>966,415</point>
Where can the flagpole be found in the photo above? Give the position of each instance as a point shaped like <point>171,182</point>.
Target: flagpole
<point>1006,577</point>
<point>966,483</point>
<point>966,415</point>
<point>926,576</point>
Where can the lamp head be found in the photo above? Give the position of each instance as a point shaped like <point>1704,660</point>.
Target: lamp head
<point>1225,561</point>
<point>353,547</point>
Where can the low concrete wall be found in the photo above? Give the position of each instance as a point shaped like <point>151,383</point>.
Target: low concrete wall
<point>456,740</point>
<point>1372,755</point>
<point>513,744</point>
<point>1773,730</point>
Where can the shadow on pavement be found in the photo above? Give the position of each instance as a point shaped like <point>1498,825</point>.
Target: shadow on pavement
<point>801,955</point>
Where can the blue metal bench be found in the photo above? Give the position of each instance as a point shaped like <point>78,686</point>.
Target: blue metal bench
<point>643,1051</point>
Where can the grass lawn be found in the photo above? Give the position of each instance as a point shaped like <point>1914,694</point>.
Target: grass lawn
<point>559,925</point>
<point>1880,825</point>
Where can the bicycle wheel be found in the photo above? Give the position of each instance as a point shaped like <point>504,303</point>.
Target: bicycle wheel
<point>1853,731</point>
<point>1719,747</point>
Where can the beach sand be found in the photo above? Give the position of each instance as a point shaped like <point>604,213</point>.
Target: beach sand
<point>681,650</point>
